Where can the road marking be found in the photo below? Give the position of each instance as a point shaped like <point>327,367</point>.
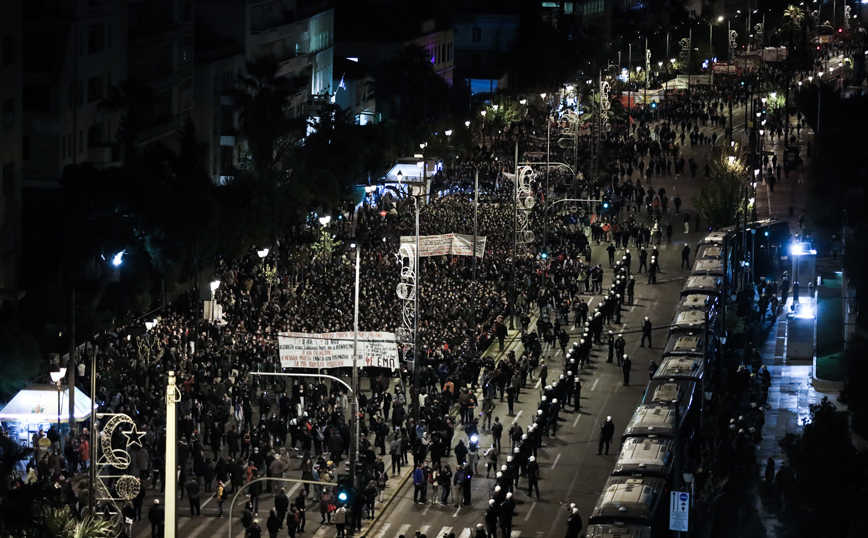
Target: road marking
<point>556,461</point>
<point>424,529</point>
<point>404,529</point>
<point>538,383</point>
<point>383,530</point>
<point>517,415</point>
<point>322,531</point>
<point>459,507</point>
<point>527,517</point>
<point>594,386</point>
<point>196,532</point>
<point>465,533</point>
<point>515,534</point>
<point>444,531</point>
<point>425,511</point>
<point>576,422</point>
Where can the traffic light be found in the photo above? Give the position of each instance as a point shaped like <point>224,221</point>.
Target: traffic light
<point>344,491</point>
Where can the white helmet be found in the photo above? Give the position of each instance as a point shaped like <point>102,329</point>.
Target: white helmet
<point>509,495</point>
<point>509,459</point>
<point>491,501</point>
<point>647,318</point>
<point>532,458</point>
<point>555,400</point>
<point>499,474</point>
<point>497,489</point>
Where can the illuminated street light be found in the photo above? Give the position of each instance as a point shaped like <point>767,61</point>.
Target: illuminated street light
<point>448,132</point>
<point>117,259</point>
<point>325,219</point>
<point>264,252</point>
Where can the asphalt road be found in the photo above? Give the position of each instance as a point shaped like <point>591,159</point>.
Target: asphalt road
<point>571,470</point>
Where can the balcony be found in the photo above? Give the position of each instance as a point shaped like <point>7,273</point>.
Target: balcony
<point>293,65</point>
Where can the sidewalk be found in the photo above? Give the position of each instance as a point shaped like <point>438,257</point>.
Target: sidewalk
<point>792,190</point>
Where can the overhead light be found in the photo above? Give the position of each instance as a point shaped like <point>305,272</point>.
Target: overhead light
<point>262,253</point>
<point>325,219</point>
<point>214,285</point>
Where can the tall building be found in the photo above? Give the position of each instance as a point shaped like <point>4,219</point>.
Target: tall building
<point>299,33</point>
<point>11,151</point>
<point>74,52</point>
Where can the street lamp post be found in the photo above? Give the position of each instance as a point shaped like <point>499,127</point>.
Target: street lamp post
<point>57,378</point>
<point>354,454</point>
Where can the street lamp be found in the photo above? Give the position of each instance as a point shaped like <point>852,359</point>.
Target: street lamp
<point>448,132</point>
<point>325,219</point>
<point>57,378</point>
<point>467,123</point>
<point>214,285</point>
<point>264,252</point>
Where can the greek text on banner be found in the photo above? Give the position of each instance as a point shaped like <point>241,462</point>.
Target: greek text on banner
<point>335,350</point>
<point>446,244</point>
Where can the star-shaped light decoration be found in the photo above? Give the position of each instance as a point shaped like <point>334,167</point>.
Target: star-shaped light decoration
<point>134,436</point>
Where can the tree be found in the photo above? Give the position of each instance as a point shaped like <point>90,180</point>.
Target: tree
<point>261,97</point>
<point>61,523</point>
<point>822,479</point>
<point>325,246</point>
<point>720,199</point>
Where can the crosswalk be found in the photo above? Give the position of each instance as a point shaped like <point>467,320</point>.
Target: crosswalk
<point>387,530</point>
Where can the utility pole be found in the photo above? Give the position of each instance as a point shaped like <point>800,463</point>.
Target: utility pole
<point>354,452</point>
<point>70,368</point>
<point>173,396</point>
<point>416,354</point>
<point>475,235</point>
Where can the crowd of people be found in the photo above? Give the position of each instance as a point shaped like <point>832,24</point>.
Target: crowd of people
<point>235,428</point>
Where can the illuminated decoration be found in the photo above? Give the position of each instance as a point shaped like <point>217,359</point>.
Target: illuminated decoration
<point>759,30</point>
<point>111,460</point>
<point>525,202</point>
<point>605,105</point>
<point>685,48</point>
<point>847,16</point>
<point>128,487</point>
<point>733,35</point>
<point>406,291</point>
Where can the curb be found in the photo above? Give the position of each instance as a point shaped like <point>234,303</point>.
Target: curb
<point>824,385</point>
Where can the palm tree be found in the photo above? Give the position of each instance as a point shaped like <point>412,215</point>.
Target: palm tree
<point>60,523</point>
<point>261,98</point>
<point>794,15</point>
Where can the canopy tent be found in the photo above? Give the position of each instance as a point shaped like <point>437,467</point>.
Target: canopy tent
<point>38,404</point>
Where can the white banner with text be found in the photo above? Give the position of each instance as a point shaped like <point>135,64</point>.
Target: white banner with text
<point>446,245</point>
<point>335,350</point>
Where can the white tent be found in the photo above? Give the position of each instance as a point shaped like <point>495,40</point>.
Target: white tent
<point>37,404</point>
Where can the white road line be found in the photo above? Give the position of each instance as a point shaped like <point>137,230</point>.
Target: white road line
<point>443,532</point>
<point>538,383</point>
<point>556,461</point>
<point>424,529</point>
<point>576,422</point>
<point>196,532</point>
<point>425,511</point>
<point>405,528</point>
<point>465,533</point>
<point>383,530</point>
<point>515,534</point>
<point>594,386</point>
<point>322,531</point>
<point>529,511</point>
<point>459,507</point>
<point>517,415</point>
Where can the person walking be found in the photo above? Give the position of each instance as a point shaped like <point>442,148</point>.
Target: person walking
<point>192,487</point>
<point>646,332</point>
<point>685,257</point>
<point>157,517</point>
<point>420,484</point>
<point>532,472</point>
<point>607,431</point>
<point>574,524</point>
<point>341,520</point>
<point>274,524</point>
<point>626,366</point>
<point>220,495</point>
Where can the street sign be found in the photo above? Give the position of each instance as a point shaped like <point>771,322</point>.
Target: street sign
<point>679,508</point>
